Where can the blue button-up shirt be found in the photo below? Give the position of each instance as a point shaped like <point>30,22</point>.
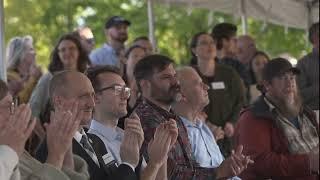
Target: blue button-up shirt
<point>105,55</point>
<point>204,146</point>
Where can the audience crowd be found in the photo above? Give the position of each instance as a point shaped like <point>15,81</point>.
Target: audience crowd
<point>124,112</point>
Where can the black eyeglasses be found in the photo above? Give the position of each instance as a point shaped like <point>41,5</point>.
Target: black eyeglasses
<point>118,90</point>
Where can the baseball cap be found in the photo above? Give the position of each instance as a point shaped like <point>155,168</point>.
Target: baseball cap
<point>277,67</point>
<point>115,20</point>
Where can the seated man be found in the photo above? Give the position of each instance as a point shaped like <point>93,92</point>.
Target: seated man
<point>156,79</point>
<point>110,87</point>
<point>77,87</point>
<point>16,125</point>
<point>281,134</point>
<point>194,98</point>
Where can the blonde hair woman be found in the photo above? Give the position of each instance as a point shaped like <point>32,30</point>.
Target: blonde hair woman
<point>23,73</point>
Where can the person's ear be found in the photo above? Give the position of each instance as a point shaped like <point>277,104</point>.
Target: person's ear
<point>144,84</point>
<point>106,32</point>
<point>193,50</point>
<point>266,85</point>
<point>97,98</point>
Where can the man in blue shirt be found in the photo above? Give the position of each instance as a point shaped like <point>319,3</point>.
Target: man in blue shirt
<point>112,52</point>
<point>195,97</point>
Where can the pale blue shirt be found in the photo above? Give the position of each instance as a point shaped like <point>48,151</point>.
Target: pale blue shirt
<point>104,55</point>
<point>204,147</point>
<point>112,138</point>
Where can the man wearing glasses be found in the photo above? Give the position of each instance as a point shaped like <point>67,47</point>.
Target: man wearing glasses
<point>111,105</point>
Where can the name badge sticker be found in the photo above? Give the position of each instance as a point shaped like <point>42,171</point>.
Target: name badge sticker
<point>218,85</point>
<point>107,158</point>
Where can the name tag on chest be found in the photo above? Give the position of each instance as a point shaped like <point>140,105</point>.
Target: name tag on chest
<point>218,85</point>
<point>108,159</point>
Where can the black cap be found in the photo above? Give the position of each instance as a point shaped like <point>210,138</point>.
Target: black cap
<point>116,20</point>
<point>277,67</point>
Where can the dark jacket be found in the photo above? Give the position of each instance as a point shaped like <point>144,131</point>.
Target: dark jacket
<point>266,144</point>
<point>123,172</point>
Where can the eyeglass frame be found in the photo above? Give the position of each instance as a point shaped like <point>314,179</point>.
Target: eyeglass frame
<point>123,89</point>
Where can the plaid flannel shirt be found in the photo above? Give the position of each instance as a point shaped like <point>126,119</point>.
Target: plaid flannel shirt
<point>181,164</point>
<point>301,141</point>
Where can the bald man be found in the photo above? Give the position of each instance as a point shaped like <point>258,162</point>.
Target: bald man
<point>194,98</point>
<point>67,88</point>
<point>246,49</point>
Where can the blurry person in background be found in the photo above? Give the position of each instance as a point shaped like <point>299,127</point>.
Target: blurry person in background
<point>23,73</point>
<point>226,90</point>
<point>87,38</point>
<point>308,81</point>
<point>68,54</point>
<point>259,60</point>
<point>112,51</point>
<point>144,42</point>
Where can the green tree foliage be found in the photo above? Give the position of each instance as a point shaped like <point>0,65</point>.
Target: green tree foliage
<point>47,20</point>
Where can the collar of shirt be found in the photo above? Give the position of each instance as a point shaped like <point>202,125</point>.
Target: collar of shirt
<point>109,48</point>
<point>107,132</point>
<point>166,114</point>
<point>78,135</point>
<point>188,123</point>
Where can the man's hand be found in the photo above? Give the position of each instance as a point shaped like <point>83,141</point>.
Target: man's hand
<point>171,125</point>
<point>229,129</point>
<point>216,131</point>
<point>159,146</point>
<point>234,165</point>
<point>16,130</point>
<point>60,131</point>
<point>132,141</point>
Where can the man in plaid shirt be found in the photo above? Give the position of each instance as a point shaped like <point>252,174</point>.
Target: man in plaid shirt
<point>156,79</point>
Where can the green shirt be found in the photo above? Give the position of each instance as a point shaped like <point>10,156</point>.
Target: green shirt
<point>226,95</point>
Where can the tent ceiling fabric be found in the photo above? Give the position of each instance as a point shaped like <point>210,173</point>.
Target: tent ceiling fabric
<point>290,13</point>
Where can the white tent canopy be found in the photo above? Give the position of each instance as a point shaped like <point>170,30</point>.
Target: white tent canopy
<point>289,13</point>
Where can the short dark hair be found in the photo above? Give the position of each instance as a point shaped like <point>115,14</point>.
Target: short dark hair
<point>144,38</point>
<point>93,72</point>
<point>313,30</point>
<point>223,31</point>
<point>150,65</point>
<point>131,48</point>
<point>83,60</point>
<point>3,89</point>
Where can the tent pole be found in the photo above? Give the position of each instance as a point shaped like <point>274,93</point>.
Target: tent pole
<point>151,24</point>
<point>244,19</point>
<point>3,74</point>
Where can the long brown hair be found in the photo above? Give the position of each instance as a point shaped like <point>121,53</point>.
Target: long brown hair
<point>56,63</point>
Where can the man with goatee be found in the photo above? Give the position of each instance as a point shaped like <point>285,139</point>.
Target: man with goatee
<point>281,135</point>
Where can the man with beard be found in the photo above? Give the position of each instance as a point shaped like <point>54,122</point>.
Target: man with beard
<point>110,87</point>
<point>157,81</point>
<point>282,136</point>
<point>112,52</point>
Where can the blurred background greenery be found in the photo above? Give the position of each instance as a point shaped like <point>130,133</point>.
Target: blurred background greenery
<point>46,20</point>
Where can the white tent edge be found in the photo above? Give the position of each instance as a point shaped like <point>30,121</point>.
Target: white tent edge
<point>3,75</point>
